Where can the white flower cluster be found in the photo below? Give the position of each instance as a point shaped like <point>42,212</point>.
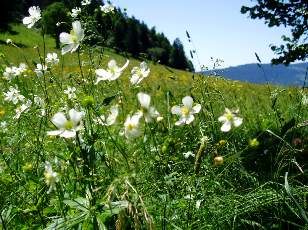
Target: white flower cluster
<point>13,95</point>
<point>11,72</point>
<point>107,8</point>
<point>75,12</point>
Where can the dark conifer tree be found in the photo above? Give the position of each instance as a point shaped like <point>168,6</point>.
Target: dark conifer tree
<point>177,58</point>
<point>132,43</point>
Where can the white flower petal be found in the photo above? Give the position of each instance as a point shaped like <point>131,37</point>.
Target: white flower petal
<point>75,116</point>
<point>135,79</point>
<point>176,110</point>
<point>144,100</point>
<point>182,121</point>
<point>54,133</point>
<point>189,119</point>
<point>65,38</point>
<point>135,70</point>
<point>74,47</point>
<point>27,20</point>
<point>103,74</point>
<point>237,121</point>
<point>222,118</point>
<point>226,126</point>
<point>112,64</point>
<point>67,48</point>
<point>78,30</point>
<point>143,66</point>
<point>59,120</point>
<point>188,101</point>
<point>197,108</point>
<point>114,76</point>
<point>125,65</point>
<point>68,134</point>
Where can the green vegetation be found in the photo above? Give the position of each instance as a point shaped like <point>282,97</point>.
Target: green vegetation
<point>77,173</point>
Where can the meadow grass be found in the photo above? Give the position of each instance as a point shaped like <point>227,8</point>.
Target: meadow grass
<point>105,180</point>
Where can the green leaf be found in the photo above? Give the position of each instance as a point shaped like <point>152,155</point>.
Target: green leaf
<point>79,203</point>
<point>288,190</point>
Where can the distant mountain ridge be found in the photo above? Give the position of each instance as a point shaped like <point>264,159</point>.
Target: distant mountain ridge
<point>292,75</point>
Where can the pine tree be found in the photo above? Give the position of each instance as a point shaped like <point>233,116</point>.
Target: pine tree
<point>177,58</point>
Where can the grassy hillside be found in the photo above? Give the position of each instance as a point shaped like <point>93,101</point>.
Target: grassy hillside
<point>145,175</point>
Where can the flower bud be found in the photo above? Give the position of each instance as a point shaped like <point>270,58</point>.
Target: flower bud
<point>219,160</point>
<point>88,101</point>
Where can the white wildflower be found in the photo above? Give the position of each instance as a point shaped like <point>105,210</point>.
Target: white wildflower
<point>40,70</point>
<point>72,40</point>
<point>229,119</point>
<point>112,73</point>
<point>52,58</point>
<point>9,73</point>
<point>132,126</point>
<point>51,177</point>
<point>198,203</point>
<point>159,118</point>
<point>188,154</point>
<point>139,73</point>
<point>13,95</point>
<point>66,128</point>
<point>3,127</point>
<point>186,112</point>
<point>22,109</point>
<point>189,197</point>
<point>9,41</point>
<point>35,15</point>
<point>305,99</point>
<point>107,8</point>
<point>75,12</point>
<point>85,2</point>
<point>21,70</point>
<point>149,112</point>
<point>111,118</point>
<point>70,92</point>
<point>38,101</point>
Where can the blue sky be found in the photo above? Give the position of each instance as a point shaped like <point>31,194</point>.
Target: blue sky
<point>218,29</point>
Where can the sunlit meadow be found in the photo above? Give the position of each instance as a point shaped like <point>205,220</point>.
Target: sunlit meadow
<point>90,139</point>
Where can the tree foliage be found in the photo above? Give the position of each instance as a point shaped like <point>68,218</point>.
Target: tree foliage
<point>52,15</point>
<point>8,13</point>
<point>288,13</point>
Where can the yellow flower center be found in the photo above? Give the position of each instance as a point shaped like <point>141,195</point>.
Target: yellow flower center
<point>185,111</point>
<point>69,125</point>
<point>73,37</point>
<point>229,117</point>
<point>131,126</point>
<point>113,70</point>
<point>2,112</point>
<point>139,73</point>
<point>48,178</point>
